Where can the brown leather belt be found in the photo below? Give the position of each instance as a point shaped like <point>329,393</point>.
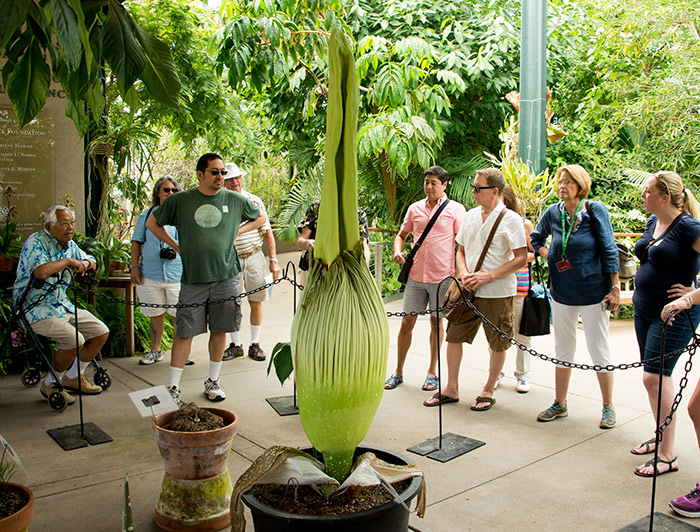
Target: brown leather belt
<point>246,255</point>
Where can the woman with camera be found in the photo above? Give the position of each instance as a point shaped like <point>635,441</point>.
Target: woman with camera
<point>156,270</point>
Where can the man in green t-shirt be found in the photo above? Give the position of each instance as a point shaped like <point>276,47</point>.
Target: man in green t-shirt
<point>208,219</point>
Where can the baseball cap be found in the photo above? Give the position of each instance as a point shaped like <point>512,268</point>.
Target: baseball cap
<point>233,171</point>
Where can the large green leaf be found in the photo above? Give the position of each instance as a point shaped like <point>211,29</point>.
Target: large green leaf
<point>65,21</point>
<point>13,14</point>
<point>28,84</point>
<point>120,48</point>
<point>160,73</point>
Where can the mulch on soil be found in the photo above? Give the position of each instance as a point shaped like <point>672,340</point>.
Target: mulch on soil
<point>11,501</point>
<point>191,418</point>
<point>309,502</point>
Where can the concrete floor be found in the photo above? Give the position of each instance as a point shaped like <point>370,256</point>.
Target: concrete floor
<point>564,475</point>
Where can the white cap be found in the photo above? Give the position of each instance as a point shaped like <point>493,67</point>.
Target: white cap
<point>233,171</point>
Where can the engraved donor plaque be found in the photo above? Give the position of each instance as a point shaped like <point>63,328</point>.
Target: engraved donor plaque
<point>27,165</point>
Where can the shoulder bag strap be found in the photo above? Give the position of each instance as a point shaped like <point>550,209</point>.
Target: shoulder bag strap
<point>489,239</point>
<point>428,227</point>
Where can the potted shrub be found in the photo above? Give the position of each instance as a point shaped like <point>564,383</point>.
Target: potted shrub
<point>339,337</point>
<point>16,501</point>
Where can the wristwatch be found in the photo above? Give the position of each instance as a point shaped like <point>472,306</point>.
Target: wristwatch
<point>272,259</point>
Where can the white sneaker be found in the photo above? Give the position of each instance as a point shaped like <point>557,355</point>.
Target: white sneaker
<point>498,380</point>
<point>213,391</point>
<point>151,357</point>
<point>523,386</point>
<point>175,394</point>
<point>190,360</point>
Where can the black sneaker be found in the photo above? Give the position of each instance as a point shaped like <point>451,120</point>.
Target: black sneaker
<point>233,351</point>
<point>255,352</point>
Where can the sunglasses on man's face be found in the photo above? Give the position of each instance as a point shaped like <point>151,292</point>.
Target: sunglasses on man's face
<point>217,172</point>
<point>168,189</point>
<point>479,188</point>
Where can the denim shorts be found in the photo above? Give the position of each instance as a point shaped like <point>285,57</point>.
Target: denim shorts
<point>649,331</point>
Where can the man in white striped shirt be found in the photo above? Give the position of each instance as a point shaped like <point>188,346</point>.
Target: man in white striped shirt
<point>252,260</point>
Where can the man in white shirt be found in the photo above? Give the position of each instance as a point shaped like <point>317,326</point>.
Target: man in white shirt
<point>494,285</point>
<point>252,260</point>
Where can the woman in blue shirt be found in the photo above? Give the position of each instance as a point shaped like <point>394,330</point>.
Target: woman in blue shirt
<point>156,270</point>
<point>584,277</point>
<point>669,255</point>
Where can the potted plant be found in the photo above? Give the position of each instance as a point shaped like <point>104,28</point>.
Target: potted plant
<point>16,501</point>
<point>339,337</point>
<point>10,240</point>
<point>194,443</point>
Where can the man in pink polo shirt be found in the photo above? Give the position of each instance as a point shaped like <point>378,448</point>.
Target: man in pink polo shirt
<point>434,261</point>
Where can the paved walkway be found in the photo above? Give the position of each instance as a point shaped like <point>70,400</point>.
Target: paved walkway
<point>564,475</point>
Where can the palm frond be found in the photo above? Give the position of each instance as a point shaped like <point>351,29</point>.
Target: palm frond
<point>303,193</point>
<point>637,178</point>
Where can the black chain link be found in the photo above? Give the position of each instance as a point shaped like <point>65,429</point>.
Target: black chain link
<point>690,348</point>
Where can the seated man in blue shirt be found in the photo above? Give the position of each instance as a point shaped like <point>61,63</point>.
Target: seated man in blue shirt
<point>47,308</point>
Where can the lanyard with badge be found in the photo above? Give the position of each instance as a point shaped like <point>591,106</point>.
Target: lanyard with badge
<point>564,263</point>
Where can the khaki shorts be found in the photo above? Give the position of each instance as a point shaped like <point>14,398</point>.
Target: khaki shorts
<point>62,330</point>
<point>498,311</point>
<point>220,317</point>
<point>158,293</point>
<point>253,275</point>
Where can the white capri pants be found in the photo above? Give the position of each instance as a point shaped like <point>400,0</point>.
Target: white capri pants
<point>596,323</point>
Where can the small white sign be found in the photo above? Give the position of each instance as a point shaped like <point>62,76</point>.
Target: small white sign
<point>153,401</point>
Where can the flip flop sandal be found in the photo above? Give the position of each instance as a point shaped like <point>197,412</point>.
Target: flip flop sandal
<point>648,446</point>
<point>441,400</point>
<point>393,381</point>
<point>670,463</point>
<point>490,400</point>
<point>430,384</point>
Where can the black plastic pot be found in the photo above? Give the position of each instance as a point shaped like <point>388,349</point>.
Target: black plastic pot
<point>389,517</point>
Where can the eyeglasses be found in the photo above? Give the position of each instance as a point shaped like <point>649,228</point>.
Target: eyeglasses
<point>565,183</point>
<point>217,172</point>
<point>168,189</point>
<point>479,188</point>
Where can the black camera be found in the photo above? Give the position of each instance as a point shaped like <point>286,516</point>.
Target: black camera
<point>167,253</point>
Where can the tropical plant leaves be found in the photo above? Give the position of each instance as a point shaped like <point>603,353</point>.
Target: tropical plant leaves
<point>66,23</point>
<point>159,74</point>
<point>120,48</point>
<point>28,84</point>
<point>14,12</point>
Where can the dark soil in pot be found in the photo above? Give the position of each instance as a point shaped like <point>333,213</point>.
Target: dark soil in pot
<point>11,501</point>
<point>191,418</point>
<point>308,501</point>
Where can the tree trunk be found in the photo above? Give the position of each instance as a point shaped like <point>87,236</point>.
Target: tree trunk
<point>389,184</point>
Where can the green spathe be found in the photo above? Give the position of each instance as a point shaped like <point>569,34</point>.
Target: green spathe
<point>337,228</point>
<point>340,334</point>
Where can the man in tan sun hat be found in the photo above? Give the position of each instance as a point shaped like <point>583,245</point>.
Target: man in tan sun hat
<point>253,269</point>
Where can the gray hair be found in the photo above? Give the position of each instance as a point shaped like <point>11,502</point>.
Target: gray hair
<point>50,217</point>
<point>155,198</point>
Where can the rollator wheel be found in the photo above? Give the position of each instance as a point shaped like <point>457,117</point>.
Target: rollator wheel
<point>57,401</point>
<point>102,379</point>
<point>31,377</point>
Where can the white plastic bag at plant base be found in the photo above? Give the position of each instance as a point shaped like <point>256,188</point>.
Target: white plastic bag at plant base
<point>306,471</point>
<point>369,472</point>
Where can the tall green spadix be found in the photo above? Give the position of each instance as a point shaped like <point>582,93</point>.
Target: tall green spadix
<point>340,334</point>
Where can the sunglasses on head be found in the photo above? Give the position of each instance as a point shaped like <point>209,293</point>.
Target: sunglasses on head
<point>168,189</point>
<point>217,172</point>
<point>479,188</point>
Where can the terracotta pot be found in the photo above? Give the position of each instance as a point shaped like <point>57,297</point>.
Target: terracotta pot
<point>389,517</point>
<point>195,455</point>
<point>19,521</point>
<point>196,490</point>
<point>6,263</point>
